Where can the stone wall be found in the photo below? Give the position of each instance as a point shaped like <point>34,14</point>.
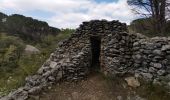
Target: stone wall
<point>151,58</point>
<point>121,53</point>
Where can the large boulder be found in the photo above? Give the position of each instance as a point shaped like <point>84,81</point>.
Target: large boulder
<point>29,50</point>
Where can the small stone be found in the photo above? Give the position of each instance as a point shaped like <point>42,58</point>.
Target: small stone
<point>119,98</point>
<point>138,56</point>
<point>51,78</point>
<point>168,52</point>
<point>35,90</point>
<point>149,46</point>
<point>157,65</point>
<point>168,57</point>
<point>165,47</point>
<point>161,72</point>
<point>59,75</point>
<point>152,69</point>
<point>156,81</point>
<point>136,44</point>
<point>157,52</point>
<point>137,75</point>
<point>53,64</point>
<point>132,81</point>
<point>75,95</point>
<point>147,76</point>
<point>168,84</point>
<point>157,58</point>
<point>49,87</point>
<point>137,97</point>
<point>167,77</point>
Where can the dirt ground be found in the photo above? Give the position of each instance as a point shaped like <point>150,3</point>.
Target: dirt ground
<point>95,87</point>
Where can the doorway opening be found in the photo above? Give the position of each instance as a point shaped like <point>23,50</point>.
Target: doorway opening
<point>95,48</point>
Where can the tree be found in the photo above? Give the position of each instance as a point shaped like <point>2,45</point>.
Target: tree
<point>157,10</point>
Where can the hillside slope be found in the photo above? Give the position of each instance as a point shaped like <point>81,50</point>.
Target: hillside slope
<point>17,31</point>
<point>25,27</point>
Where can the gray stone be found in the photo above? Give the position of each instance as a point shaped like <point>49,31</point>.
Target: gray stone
<point>119,98</point>
<point>161,72</point>
<point>135,97</point>
<point>141,36</point>
<point>51,78</point>
<point>19,94</point>
<point>165,47</point>
<point>157,65</point>
<point>147,76</point>
<point>138,56</point>
<point>132,81</point>
<point>157,52</point>
<point>33,80</point>
<point>156,81</point>
<point>167,77</point>
<point>35,90</point>
<point>59,75</point>
<point>29,49</point>
<point>136,44</point>
<point>152,70</point>
<point>53,64</point>
<point>157,58</point>
<point>168,57</point>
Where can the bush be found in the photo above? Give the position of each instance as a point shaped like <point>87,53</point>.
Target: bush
<point>49,43</point>
<point>10,51</point>
<point>144,26</point>
<point>24,65</point>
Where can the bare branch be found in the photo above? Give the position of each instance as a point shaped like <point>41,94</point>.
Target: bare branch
<point>157,10</point>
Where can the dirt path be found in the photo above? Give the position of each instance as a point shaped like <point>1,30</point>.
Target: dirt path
<point>96,87</point>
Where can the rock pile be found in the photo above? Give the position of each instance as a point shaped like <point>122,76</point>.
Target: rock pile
<point>120,53</point>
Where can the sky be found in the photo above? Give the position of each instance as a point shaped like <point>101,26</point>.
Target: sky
<point>69,13</point>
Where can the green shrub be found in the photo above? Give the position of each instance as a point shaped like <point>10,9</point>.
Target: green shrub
<point>145,26</point>
<point>10,51</point>
<point>24,65</point>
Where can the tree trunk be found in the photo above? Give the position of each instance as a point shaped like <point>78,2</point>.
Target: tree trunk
<point>159,16</point>
<point>162,16</point>
<point>156,16</point>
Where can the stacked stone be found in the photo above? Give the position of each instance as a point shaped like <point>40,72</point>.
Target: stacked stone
<point>151,58</point>
<point>100,28</point>
<point>110,33</point>
<point>117,53</point>
<point>48,74</point>
<point>77,67</point>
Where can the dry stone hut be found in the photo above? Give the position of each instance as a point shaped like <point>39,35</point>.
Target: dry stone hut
<point>97,45</point>
<point>105,46</point>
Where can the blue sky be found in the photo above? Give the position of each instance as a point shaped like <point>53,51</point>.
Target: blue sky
<point>69,13</point>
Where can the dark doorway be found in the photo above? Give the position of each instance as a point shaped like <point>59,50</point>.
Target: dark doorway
<point>95,47</point>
